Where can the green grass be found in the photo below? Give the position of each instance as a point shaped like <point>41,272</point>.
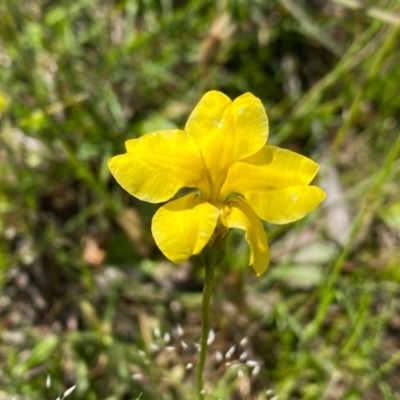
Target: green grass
<point>87,299</point>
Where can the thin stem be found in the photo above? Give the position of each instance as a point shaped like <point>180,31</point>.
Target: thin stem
<point>205,311</point>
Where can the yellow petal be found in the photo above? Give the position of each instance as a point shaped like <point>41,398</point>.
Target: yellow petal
<point>251,125</point>
<point>227,131</point>
<point>274,182</point>
<point>158,164</point>
<point>238,214</point>
<point>183,227</point>
<point>284,205</point>
<point>271,167</point>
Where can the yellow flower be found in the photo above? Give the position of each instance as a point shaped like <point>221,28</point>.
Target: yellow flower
<point>235,178</point>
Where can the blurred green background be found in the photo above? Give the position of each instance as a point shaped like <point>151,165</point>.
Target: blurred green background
<point>86,298</point>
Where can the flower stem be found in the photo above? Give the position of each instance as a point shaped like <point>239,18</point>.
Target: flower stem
<point>205,311</point>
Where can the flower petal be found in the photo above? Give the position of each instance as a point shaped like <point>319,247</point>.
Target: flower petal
<point>239,214</point>
<point>275,183</point>
<point>284,205</point>
<point>227,131</point>
<point>251,125</point>
<point>183,227</point>
<point>158,164</point>
<point>271,167</point>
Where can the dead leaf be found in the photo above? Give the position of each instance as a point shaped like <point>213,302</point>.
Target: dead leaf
<point>129,220</point>
<point>221,30</point>
<point>337,211</point>
<point>93,254</point>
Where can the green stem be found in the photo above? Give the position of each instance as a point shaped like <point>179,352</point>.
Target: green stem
<point>205,311</point>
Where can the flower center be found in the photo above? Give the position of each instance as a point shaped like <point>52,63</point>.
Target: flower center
<point>215,184</point>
